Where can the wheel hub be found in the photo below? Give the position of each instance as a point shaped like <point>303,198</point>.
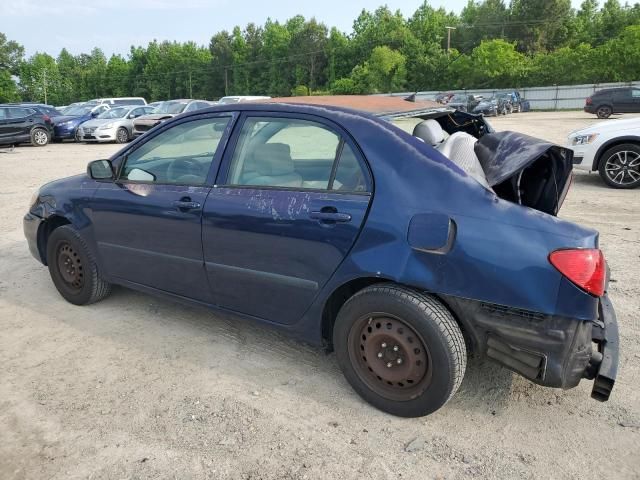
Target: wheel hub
<point>70,266</point>
<point>390,356</point>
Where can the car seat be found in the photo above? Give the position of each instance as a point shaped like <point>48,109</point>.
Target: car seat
<point>272,165</point>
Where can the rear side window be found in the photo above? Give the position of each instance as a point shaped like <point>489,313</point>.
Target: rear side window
<point>294,153</point>
<point>635,93</point>
<point>19,112</point>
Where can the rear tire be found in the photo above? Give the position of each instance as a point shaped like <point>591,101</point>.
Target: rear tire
<point>401,350</point>
<point>73,268</point>
<point>604,111</point>
<point>40,137</point>
<point>619,167</point>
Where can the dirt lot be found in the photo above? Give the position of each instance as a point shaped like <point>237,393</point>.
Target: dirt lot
<point>135,387</point>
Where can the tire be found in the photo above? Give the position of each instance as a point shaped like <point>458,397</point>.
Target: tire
<point>73,268</point>
<point>619,166</point>
<point>40,137</point>
<point>402,351</point>
<point>122,135</point>
<point>604,111</point>
<point>76,137</point>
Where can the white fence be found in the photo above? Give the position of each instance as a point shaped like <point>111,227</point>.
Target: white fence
<point>557,97</point>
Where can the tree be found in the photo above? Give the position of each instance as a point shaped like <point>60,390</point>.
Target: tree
<point>540,24</point>
<point>40,79</point>
<point>11,54</point>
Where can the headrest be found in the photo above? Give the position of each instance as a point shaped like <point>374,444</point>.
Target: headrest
<point>274,159</point>
<point>430,131</point>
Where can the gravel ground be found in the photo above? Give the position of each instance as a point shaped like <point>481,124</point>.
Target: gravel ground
<point>139,388</point>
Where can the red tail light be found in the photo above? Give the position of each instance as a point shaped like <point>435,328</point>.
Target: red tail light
<point>584,267</point>
<point>588,101</point>
<point>46,118</point>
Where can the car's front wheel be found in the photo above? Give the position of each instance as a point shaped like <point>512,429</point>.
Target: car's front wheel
<point>620,166</point>
<point>40,137</point>
<point>604,111</point>
<point>122,135</point>
<point>401,350</point>
<point>73,269</point>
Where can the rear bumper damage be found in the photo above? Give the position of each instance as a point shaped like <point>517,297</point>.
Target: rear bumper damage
<point>548,350</point>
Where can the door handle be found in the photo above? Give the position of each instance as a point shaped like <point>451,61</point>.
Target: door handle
<point>329,217</point>
<point>186,204</point>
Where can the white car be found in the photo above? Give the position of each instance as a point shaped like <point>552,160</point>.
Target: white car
<point>611,148</point>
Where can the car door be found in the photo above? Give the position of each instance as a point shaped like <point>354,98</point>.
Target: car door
<point>147,223</point>
<point>289,203</point>
<point>635,100</point>
<point>4,125</point>
<point>622,101</point>
<point>18,122</point>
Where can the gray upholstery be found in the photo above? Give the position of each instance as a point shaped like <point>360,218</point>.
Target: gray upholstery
<point>430,131</point>
<point>273,165</point>
<point>459,148</point>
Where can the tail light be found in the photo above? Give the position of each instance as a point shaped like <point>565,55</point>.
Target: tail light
<point>584,267</point>
<point>588,101</point>
<point>46,118</point>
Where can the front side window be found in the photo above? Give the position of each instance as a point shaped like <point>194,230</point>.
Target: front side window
<point>294,153</point>
<point>635,93</point>
<point>181,155</point>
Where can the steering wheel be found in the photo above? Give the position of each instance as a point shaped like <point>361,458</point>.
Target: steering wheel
<point>183,169</point>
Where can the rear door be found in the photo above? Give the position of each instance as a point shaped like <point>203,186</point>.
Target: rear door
<point>289,203</point>
<point>635,100</point>
<point>18,122</point>
<point>622,101</point>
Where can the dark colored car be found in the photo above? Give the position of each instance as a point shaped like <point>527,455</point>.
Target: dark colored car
<point>499,104</point>
<point>66,126</point>
<point>608,101</point>
<point>41,108</point>
<point>518,104</point>
<point>464,102</point>
<point>344,230</point>
<point>23,124</point>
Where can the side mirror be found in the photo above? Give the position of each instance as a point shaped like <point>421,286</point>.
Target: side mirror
<point>131,115</point>
<point>100,170</point>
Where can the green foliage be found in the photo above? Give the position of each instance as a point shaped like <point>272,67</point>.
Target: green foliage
<point>495,44</point>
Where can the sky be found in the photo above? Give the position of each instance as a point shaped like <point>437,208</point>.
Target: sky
<point>115,25</point>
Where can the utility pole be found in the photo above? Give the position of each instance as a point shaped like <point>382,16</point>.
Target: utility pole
<point>44,84</point>
<point>226,82</point>
<point>449,38</point>
<point>190,90</point>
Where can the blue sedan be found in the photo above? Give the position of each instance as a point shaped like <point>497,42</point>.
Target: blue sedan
<point>400,252</point>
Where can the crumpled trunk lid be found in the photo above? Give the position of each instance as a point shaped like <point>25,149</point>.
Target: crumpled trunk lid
<point>526,170</point>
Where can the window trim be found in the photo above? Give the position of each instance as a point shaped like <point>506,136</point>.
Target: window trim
<point>121,160</point>
<point>225,166</point>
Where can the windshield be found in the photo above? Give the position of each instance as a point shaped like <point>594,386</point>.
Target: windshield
<point>114,113</point>
<point>170,107</point>
<point>79,110</point>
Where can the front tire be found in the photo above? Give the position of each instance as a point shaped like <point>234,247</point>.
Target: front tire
<point>73,268</point>
<point>401,350</point>
<point>122,135</point>
<point>619,166</point>
<point>40,137</point>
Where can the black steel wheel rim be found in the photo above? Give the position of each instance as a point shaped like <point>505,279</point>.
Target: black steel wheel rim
<point>389,356</point>
<point>623,168</point>
<point>70,266</point>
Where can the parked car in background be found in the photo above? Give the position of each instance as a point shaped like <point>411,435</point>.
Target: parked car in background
<point>518,104</point>
<point>167,110</point>
<point>24,124</point>
<point>118,101</point>
<point>242,98</point>
<point>443,97</point>
<point>65,109</point>
<point>610,148</point>
<point>608,101</point>
<point>43,108</point>
<point>268,211</point>
<point>66,126</point>
<point>464,102</point>
<point>114,125</point>
<point>499,104</point>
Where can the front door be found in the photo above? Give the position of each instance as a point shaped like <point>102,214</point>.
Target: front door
<point>147,223</point>
<point>291,200</point>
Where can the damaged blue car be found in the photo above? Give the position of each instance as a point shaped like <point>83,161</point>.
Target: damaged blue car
<point>402,251</point>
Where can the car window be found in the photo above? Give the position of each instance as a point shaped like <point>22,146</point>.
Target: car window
<point>19,112</point>
<point>350,176</point>
<point>635,93</point>
<point>180,155</point>
<point>284,152</point>
<point>621,94</point>
<point>136,112</point>
<point>3,113</point>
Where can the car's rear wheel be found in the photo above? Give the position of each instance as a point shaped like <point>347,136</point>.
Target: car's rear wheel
<point>604,111</point>
<point>40,137</point>
<point>73,269</point>
<point>401,350</point>
<point>620,166</point>
<point>122,135</point>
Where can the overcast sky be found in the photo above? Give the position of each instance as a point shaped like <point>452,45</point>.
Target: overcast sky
<point>115,25</point>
